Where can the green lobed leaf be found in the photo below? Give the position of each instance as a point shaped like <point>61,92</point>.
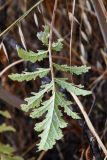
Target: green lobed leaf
<point>74,70</point>
<point>66,105</point>
<point>51,125</point>
<point>32,56</point>
<point>6,149</point>
<point>14,158</point>
<point>5,128</point>
<point>53,122</point>
<point>36,113</point>
<point>35,100</point>
<point>44,36</point>
<point>58,45</point>
<point>27,76</point>
<point>6,153</point>
<point>5,114</point>
<point>70,87</point>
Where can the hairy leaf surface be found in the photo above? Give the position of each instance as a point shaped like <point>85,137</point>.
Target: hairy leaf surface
<point>66,105</point>
<point>58,45</point>
<point>35,100</point>
<point>70,87</point>
<point>74,70</point>
<point>27,76</point>
<point>49,107</point>
<point>51,125</point>
<point>43,36</point>
<point>32,56</point>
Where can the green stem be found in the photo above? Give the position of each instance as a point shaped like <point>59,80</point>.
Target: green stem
<point>50,43</point>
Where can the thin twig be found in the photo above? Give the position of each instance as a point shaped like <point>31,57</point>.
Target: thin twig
<point>10,66</point>
<point>50,41</point>
<point>102,17</point>
<point>89,124</point>
<point>72,24</point>
<point>41,155</point>
<point>20,18</point>
<point>29,148</point>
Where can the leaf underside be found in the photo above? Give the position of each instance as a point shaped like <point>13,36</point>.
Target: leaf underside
<point>70,87</point>
<point>36,99</point>
<point>49,108</point>
<point>50,127</point>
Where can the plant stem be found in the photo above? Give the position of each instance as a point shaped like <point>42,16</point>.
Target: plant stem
<point>21,18</point>
<point>72,25</point>
<point>50,41</point>
<point>10,66</point>
<point>89,124</point>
